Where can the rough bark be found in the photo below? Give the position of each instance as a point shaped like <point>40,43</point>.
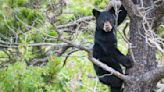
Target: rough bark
<point>144,59</point>
<point>144,73</point>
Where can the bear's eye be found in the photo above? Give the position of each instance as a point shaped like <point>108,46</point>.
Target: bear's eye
<point>108,19</point>
<point>101,22</point>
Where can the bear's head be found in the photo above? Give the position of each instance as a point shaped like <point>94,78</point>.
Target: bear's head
<point>106,20</point>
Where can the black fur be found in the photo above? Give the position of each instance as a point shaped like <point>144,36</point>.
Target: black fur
<point>105,48</point>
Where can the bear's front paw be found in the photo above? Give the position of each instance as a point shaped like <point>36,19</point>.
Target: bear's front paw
<point>127,62</point>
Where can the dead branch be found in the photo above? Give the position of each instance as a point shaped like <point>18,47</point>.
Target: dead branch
<point>160,87</point>
<point>124,29</point>
<point>71,52</point>
<point>72,25</point>
<point>37,61</point>
<point>15,45</point>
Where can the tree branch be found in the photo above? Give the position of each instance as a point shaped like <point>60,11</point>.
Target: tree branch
<point>15,45</point>
<point>37,61</point>
<point>71,52</point>
<point>126,78</point>
<point>75,23</point>
<point>154,75</point>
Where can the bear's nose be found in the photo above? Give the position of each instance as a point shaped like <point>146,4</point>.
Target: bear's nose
<point>107,27</point>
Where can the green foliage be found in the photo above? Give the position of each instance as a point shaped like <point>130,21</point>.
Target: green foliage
<point>101,3</point>
<point>80,8</point>
<point>160,31</point>
<point>20,78</point>
<point>78,69</point>
<point>121,40</point>
<point>26,17</point>
<point>16,3</point>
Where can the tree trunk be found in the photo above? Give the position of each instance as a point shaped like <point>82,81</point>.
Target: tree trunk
<point>143,56</point>
<point>141,52</point>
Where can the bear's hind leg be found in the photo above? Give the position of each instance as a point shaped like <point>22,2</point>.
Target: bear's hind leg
<point>106,78</point>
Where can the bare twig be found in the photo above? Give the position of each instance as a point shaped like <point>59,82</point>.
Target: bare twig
<point>74,23</point>
<point>71,52</point>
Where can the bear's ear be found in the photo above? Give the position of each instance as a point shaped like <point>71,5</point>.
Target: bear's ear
<point>96,13</point>
<point>112,10</point>
<point>121,15</point>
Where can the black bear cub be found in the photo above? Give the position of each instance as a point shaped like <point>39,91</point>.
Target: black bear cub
<point>105,47</point>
